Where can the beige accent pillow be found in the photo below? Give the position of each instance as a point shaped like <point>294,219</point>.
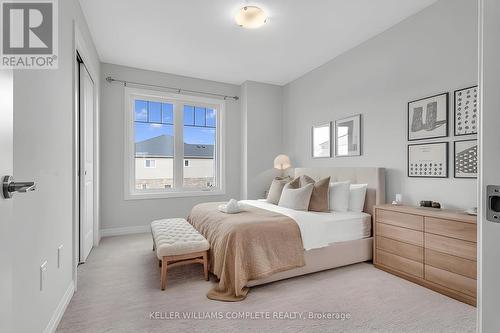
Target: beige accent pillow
<point>274,194</point>
<point>295,183</point>
<point>319,197</point>
<point>296,198</point>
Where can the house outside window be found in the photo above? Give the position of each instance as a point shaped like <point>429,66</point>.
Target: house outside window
<point>174,145</point>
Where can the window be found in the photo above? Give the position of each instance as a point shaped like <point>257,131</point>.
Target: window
<point>174,145</point>
<point>150,164</point>
<point>199,152</point>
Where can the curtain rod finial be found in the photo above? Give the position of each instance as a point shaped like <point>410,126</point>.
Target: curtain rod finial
<point>109,79</point>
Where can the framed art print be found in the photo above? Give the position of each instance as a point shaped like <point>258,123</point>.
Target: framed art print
<point>348,136</point>
<point>466,111</point>
<point>321,135</point>
<point>428,160</point>
<point>465,153</point>
<point>428,118</point>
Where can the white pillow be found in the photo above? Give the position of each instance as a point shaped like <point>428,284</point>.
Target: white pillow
<point>339,196</point>
<point>357,194</point>
<point>296,198</point>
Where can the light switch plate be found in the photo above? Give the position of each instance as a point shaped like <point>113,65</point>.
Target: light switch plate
<point>43,274</point>
<point>59,254</point>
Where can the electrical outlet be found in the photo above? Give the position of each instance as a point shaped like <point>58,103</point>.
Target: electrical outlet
<point>59,255</point>
<point>43,274</point>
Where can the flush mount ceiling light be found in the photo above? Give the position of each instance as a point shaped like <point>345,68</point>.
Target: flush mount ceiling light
<point>250,17</point>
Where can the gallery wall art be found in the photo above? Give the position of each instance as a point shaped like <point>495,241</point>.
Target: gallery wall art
<point>348,136</point>
<point>428,160</point>
<point>466,111</point>
<point>428,118</point>
<point>321,137</point>
<point>465,153</point>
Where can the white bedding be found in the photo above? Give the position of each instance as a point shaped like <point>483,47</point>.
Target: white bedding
<point>321,229</point>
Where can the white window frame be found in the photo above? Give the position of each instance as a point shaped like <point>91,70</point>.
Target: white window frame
<point>152,163</point>
<point>131,193</point>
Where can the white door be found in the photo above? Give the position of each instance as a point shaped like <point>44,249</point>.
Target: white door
<point>6,218</point>
<point>489,142</point>
<point>86,163</point>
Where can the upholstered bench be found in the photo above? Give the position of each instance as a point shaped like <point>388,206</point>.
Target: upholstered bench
<point>177,243</point>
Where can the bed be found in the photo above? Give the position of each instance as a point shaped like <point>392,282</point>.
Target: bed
<point>327,240</point>
<point>339,252</point>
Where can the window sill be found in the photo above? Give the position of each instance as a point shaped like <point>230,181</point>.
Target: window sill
<point>167,195</point>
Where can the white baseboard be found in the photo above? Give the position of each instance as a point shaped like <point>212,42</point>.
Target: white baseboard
<point>125,230</point>
<point>61,308</point>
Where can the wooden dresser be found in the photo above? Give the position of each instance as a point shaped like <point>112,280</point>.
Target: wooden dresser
<point>432,247</point>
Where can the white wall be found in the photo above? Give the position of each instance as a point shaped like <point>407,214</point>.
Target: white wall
<point>262,136</point>
<point>431,52</point>
<point>119,213</point>
<point>43,152</point>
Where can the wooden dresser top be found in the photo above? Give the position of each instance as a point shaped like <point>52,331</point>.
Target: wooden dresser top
<point>447,214</point>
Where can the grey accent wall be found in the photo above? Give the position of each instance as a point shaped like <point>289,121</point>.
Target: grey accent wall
<point>119,213</point>
<point>262,136</point>
<point>431,52</point>
<point>43,152</point>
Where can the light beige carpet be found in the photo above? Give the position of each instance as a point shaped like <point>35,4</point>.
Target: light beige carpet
<point>118,288</point>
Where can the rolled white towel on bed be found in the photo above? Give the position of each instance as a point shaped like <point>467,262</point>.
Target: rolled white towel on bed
<point>232,207</point>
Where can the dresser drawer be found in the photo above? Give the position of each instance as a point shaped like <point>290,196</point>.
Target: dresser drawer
<point>413,252</point>
<point>451,246</point>
<point>400,219</point>
<point>401,234</point>
<point>450,280</point>
<point>451,263</point>
<point>454,229</point>
<point>400,264</point>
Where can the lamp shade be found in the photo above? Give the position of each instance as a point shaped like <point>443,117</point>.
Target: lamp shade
<point>282,162</point>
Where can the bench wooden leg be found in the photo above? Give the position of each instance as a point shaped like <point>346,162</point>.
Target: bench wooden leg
<point>205,265</point>
<point>164,273</point>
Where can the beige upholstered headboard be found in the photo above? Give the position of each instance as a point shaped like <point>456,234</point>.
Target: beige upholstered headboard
<point>374,177</point>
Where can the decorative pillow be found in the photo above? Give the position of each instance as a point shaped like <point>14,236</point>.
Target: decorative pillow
<point>304,180</point>
<point>339,196</point>
<point>274,194</point>
<point>296,198</point>
<point>357,194</point>
<point>295,183</point>
<point>319,196</point>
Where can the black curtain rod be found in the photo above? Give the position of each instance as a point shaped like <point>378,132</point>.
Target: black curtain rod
<point>178,90</point>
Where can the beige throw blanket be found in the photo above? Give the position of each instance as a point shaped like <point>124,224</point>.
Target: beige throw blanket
<point>250,245</point>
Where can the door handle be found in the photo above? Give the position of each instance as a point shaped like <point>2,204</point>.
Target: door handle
<point>493,210</point>
<point>9,187</point>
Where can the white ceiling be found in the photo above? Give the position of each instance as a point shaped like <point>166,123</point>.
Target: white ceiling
<point>199,38</point>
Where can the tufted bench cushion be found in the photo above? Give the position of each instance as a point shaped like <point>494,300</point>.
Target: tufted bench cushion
<point>176,236</point>
<point>177,243</point>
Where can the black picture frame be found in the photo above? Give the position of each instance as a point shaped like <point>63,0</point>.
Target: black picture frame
<point>455,132</point>
<point>446,162</point>
<point>446,94</point>
<point>455,159</point>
